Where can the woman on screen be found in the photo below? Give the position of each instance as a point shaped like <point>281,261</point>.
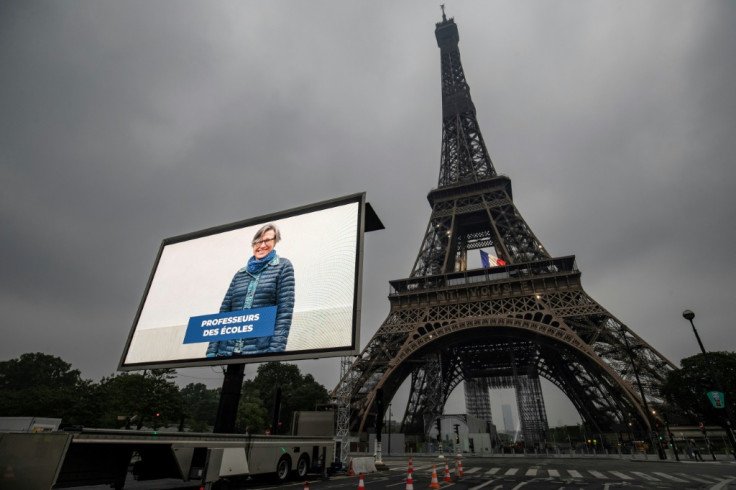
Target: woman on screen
<point>267,280</point>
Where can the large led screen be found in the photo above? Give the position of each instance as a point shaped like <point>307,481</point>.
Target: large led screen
<point>283,286</point>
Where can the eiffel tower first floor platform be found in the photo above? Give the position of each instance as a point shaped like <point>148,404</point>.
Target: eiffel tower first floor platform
<point>505,327</point>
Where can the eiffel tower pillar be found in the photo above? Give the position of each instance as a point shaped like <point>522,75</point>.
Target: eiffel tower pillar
<point>521,316</point>
<point>531,410</point>
<point>478,399</point>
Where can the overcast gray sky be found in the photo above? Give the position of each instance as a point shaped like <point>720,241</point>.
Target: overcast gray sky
<point>123,123</point>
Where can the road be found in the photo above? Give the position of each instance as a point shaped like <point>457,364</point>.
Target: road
<point>512,473</point>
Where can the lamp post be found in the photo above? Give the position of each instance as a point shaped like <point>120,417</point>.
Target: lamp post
<point>689,315</point>
<point>389,429</point>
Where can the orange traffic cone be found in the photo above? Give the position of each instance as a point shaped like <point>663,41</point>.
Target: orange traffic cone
<point>409,482</point>
<point>350,470</point>
<point>459,468</point>
<point>361,483</point>
<point>434,483</point>
<point>411,467</point>
<point>447,473</point>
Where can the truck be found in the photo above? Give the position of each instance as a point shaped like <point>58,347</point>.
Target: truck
<point>29,424</point>
<point>85,456</point>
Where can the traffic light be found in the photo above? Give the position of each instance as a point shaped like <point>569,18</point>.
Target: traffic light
<point>457,433</point>
<point>379,399</point>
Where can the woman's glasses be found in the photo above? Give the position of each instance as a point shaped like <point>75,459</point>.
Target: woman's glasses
<point>257,243</point>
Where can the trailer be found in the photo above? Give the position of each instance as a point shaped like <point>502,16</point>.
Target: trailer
<point>29,424</point>
<point>83,457</point>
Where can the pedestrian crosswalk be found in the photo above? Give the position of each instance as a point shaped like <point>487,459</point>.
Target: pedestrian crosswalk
<point>622,476</point>
<point>534,471</point>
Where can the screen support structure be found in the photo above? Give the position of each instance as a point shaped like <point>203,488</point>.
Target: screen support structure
<point>227,410</point>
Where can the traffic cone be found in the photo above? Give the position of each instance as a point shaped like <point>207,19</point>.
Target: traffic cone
<point>306,485</point>
<point>447,473</point>
<point>434,483</point>
<point>350,470</point>
<point>361,483</point>
<point>409,482</point>
<point>459,468</point>
<point>411,467</point>
<point>9,474</point>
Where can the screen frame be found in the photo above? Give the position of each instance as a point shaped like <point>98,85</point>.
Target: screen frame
<point>318,353</point>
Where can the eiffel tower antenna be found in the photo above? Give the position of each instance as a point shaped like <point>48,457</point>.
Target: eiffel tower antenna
<point>504,325</point>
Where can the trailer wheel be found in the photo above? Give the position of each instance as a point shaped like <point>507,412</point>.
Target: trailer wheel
<point>283,468</point>
<point>302,467</point>
<point>221,485</point>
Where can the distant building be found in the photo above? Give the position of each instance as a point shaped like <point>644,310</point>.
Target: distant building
<point>508,418</point>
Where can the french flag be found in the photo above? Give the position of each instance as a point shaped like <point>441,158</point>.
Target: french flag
<point>488,260</point>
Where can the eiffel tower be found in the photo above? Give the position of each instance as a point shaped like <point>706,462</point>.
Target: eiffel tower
<point>522,317</point>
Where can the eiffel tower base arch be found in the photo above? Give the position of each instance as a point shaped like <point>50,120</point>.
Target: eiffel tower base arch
<point>521,317</point>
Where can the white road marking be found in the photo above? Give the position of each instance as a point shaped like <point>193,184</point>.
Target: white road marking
<point>485,485</point>
<point>669,477</point>
<point>645,476</point>
<point>723,484</point>
<point>710,476</point>
<point>521,484</point>
<point>598,474</point>
<point>621,475</point>
<point>695,478</point>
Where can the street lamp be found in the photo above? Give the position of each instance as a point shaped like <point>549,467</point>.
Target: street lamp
<point>389,428</point>
<point>689,315</point>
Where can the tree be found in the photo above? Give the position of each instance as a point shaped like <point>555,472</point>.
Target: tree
<point>252,414</point>
<point>149,399</point>
<point>297,393</point>
<point>686,387</point>
<point>199,406</point>
<point>42,385</point>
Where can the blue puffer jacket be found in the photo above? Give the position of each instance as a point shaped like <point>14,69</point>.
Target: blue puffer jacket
<point>275,287</point>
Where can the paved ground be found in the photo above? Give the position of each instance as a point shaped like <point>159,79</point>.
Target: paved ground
<point>509,473</point>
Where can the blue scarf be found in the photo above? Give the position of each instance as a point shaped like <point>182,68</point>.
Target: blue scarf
<point>256,266</point>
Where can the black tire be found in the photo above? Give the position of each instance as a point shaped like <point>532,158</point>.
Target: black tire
<point>302,466</point>
<point>221,485</point>
<point>283,468</point>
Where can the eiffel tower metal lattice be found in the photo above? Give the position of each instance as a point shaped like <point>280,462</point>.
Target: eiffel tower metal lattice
<point>522,317</point>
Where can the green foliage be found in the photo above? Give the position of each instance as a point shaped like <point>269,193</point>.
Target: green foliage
<point>252,414</point>
<point>42,385</point>
<point>686,388</point>
<point>199,406</point>
<point>297,393</point>
<point>140,397</point>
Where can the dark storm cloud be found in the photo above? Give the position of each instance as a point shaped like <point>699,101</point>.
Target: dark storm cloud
<point>127,122</point>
